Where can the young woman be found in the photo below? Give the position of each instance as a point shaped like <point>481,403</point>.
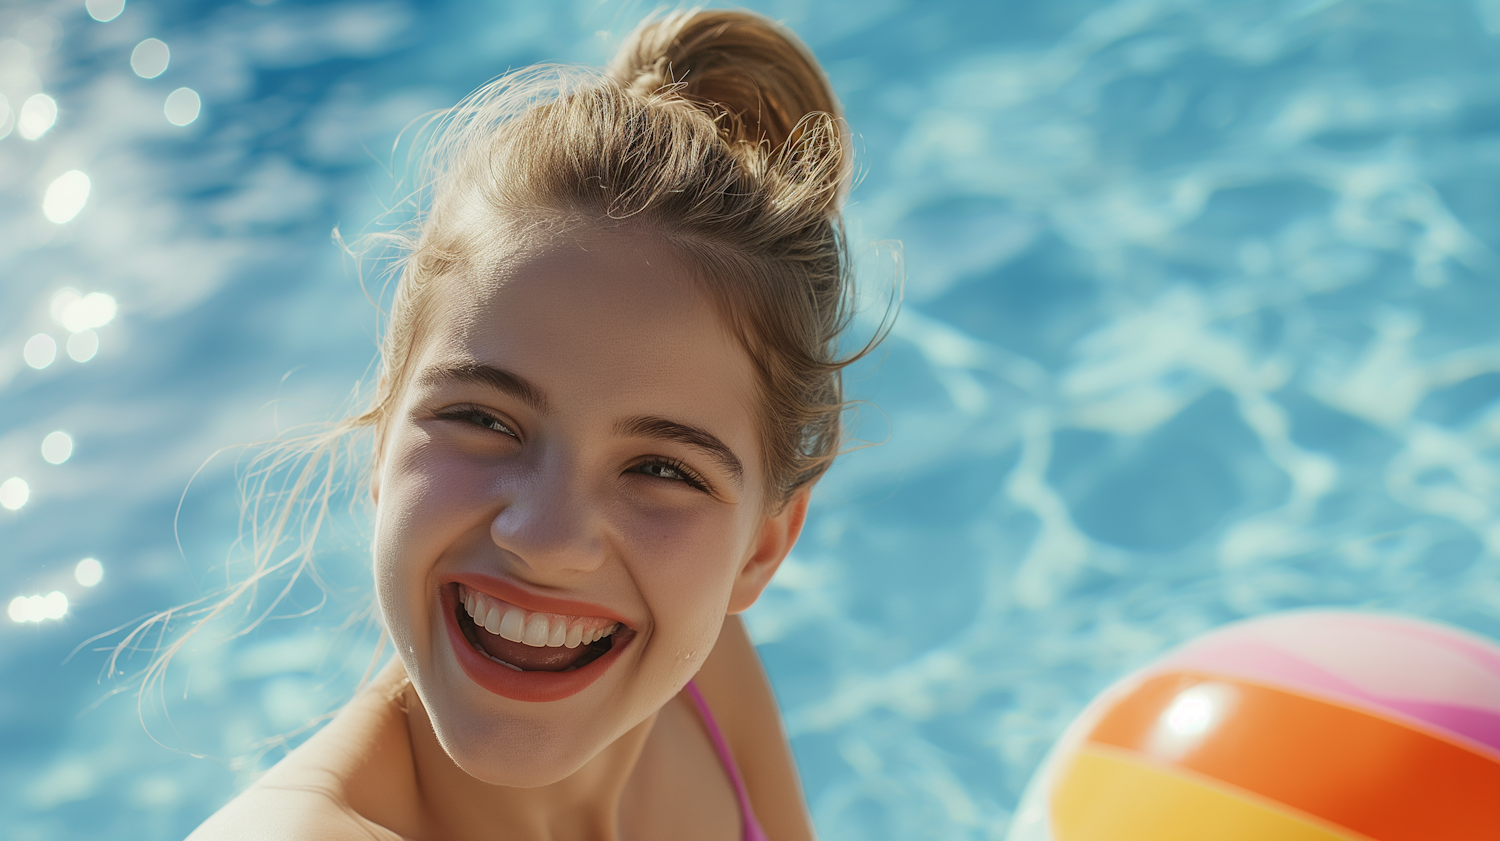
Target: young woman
<point>609,381</point>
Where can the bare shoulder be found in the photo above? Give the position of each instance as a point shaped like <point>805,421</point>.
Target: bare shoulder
<point>324,788</point>
<point>736,689</point>
<point>273,813</point>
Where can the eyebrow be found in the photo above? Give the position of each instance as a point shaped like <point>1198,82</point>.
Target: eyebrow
<point>641,426</point>
<point>646,426</point>
<point>499,379</point>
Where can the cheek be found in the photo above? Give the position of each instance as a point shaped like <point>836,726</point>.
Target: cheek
<point>430,501</point>
<point>684,564</point>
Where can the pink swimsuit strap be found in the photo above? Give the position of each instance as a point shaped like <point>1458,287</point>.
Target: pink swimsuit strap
<point>753,832</point>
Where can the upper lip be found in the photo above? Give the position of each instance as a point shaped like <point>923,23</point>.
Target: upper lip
<point>518,595</point>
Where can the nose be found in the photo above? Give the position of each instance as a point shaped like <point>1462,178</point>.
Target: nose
<point>551,524</point>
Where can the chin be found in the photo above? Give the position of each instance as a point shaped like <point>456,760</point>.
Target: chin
<point>512,754</point>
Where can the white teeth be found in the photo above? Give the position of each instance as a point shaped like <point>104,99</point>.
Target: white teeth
<point>513,626</point>
<point>601,633</point>
<point>512,666</point>
<point>536,629</point>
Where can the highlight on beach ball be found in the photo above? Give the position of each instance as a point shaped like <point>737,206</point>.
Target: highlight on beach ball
<point>1306,726</point>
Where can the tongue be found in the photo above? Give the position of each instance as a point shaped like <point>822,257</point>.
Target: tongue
<point>529,657</point>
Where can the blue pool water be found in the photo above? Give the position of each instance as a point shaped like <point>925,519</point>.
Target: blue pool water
<point>1200,323</point>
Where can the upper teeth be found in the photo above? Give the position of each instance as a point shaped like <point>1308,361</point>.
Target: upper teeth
<point>540,630</point>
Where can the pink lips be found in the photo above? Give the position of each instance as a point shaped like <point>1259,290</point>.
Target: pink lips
<point>507,682</point>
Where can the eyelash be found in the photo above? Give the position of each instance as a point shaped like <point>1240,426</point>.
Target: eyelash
<point>484,419</point>
<point>478,417</point>
<point>689,476</point>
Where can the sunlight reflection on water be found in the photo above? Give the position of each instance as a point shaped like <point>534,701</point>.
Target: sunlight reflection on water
<point>183,106</point>
<point>38,113</point>
<point>39,608</point>
<point>66,197</point>
<point>89,572</point>
<point>150,58</point>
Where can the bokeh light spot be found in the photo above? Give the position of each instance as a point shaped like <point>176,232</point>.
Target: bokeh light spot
<point>82,312</point>
<point>182,106</point>
<point>38,113</point>
<point>7,117</point>
<point>89,572</point>
<point>61,300</point>
<point>66,196</point>
<point>57,447</point>
<point>150,58</point>
<point>40,350</point>
<point>14,492</point>
<point>54,605</point>
<point>83,345</point>
<point>104,10</point>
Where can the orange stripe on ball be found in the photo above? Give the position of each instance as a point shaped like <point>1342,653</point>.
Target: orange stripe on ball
<point>1353,768</point>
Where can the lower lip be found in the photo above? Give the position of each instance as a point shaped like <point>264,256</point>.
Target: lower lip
<point>509,683</point>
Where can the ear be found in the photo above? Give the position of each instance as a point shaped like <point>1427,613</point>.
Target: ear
<point>778,533</point>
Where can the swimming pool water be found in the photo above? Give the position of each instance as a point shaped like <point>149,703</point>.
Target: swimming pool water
<point>1200,323</point>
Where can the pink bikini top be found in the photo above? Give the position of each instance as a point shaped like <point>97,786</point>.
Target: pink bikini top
<point>753,832</point>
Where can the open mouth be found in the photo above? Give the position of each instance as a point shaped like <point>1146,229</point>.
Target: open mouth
<point>530,641</point>
<point>526,654</point>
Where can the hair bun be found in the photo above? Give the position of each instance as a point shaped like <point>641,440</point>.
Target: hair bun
<point>738,65</point>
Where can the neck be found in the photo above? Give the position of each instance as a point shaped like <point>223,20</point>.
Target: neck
<point>450,804</point>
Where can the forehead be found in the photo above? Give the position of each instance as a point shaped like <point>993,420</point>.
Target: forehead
<point>601,320</point>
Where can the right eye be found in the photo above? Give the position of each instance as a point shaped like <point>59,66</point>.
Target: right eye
<point>478,417</point>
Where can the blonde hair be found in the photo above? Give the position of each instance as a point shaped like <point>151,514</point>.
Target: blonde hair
<point>715,130</point>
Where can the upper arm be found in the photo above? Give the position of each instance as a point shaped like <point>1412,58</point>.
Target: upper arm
<point>736,689</point>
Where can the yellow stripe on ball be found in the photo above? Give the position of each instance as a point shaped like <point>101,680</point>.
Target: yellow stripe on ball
<point>1105,795</point>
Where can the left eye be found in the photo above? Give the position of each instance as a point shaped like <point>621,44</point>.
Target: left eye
<point>672,472</point>
<point>663,471</point>
<point>469,414</point>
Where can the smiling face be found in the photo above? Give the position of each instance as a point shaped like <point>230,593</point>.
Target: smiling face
<point>575,456</point>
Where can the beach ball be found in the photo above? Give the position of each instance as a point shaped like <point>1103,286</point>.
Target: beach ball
<point>1306,726</point>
